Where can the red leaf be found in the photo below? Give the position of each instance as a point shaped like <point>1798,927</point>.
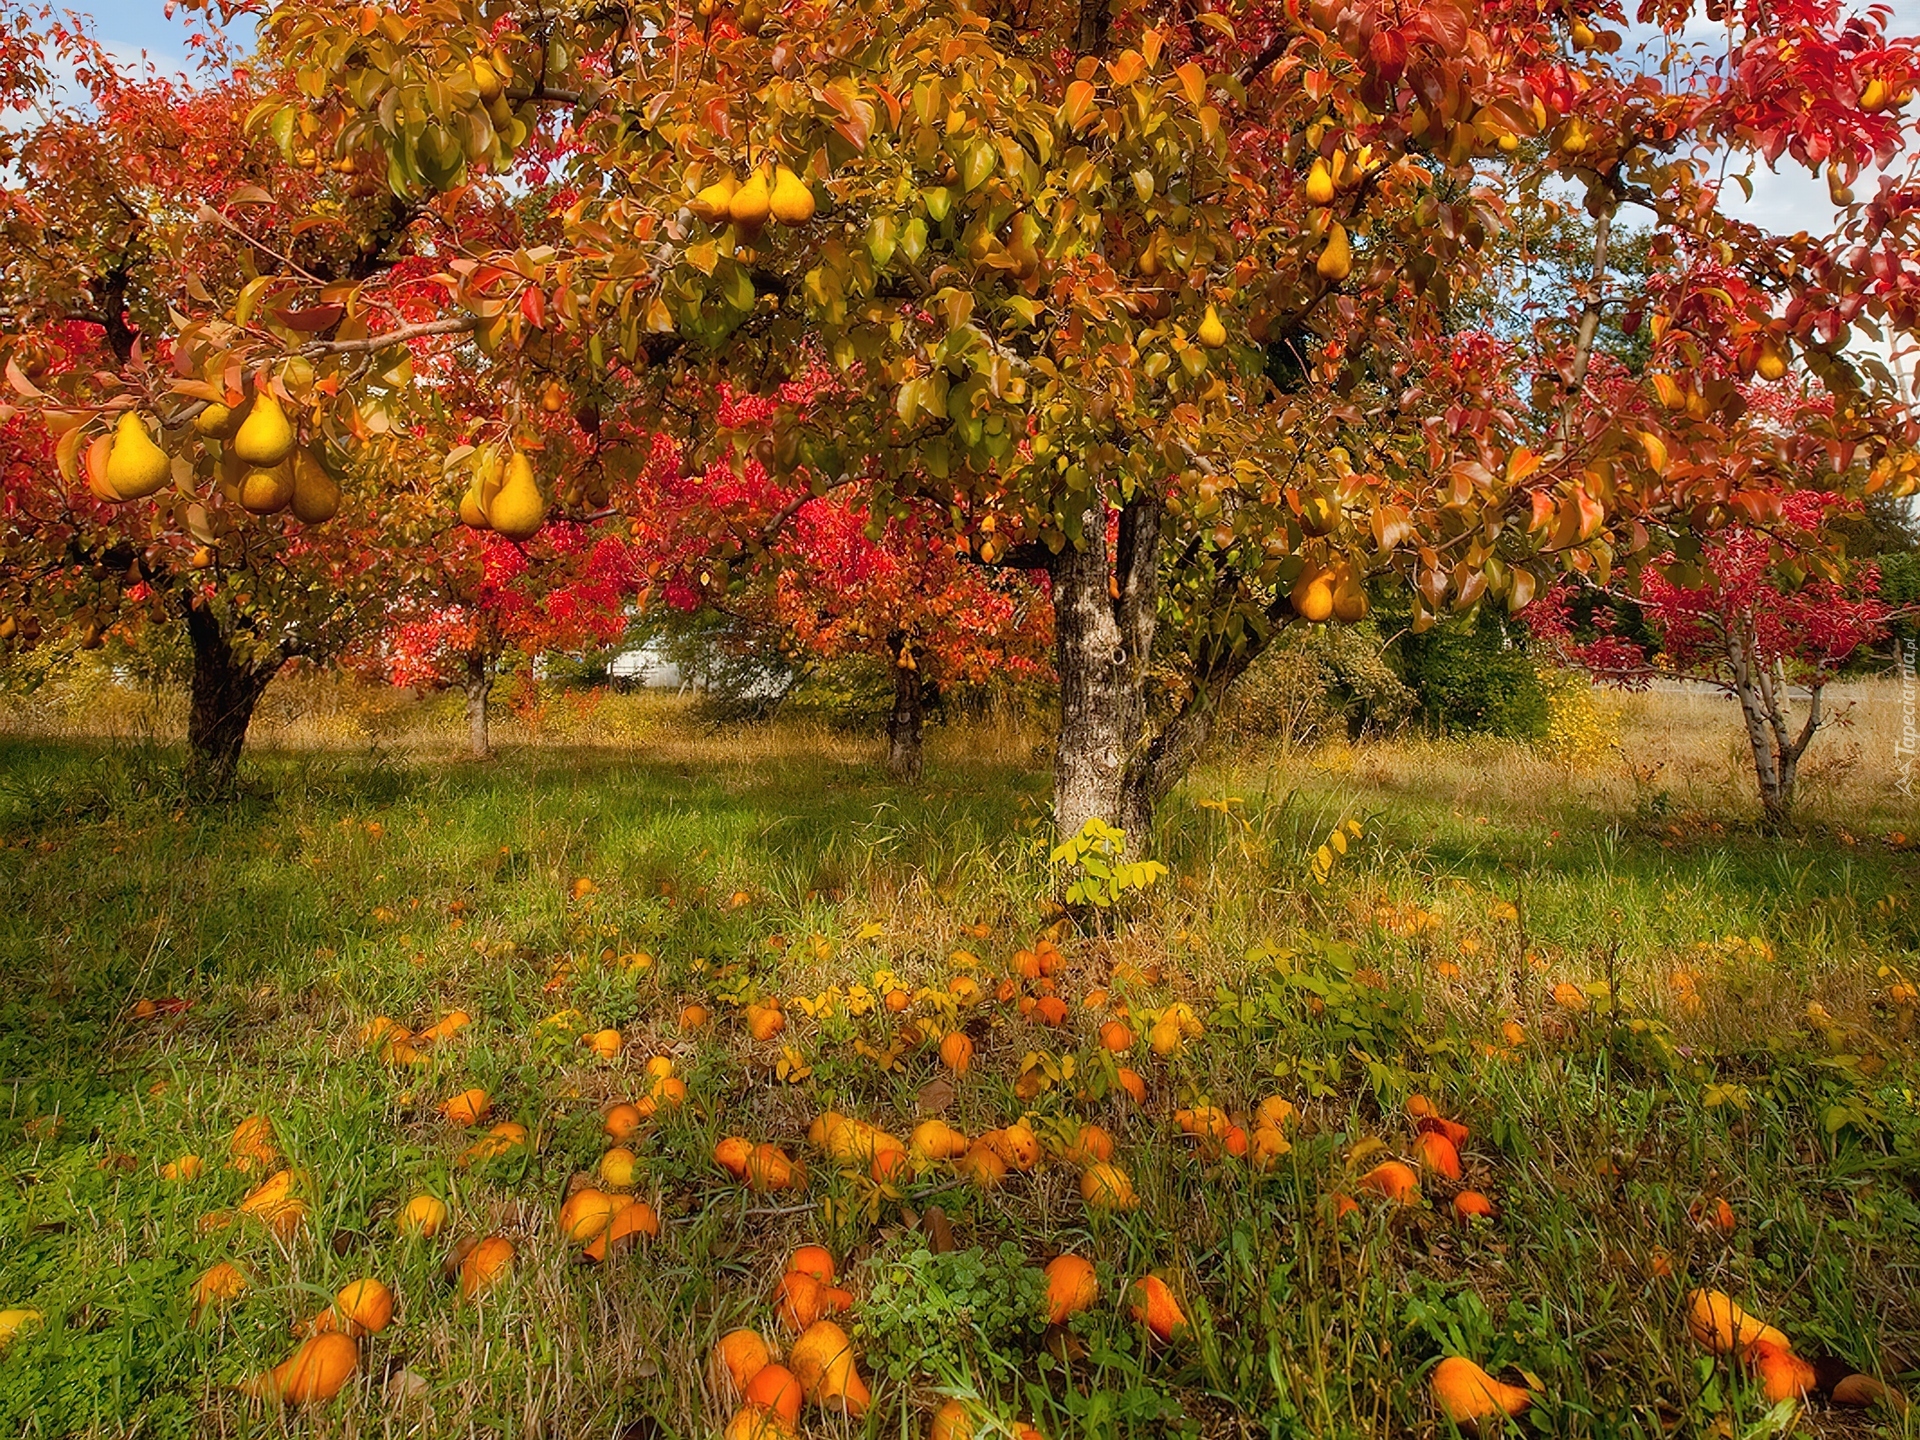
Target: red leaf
<point>312,320</point>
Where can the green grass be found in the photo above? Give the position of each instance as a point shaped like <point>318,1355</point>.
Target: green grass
<point>340,888</point>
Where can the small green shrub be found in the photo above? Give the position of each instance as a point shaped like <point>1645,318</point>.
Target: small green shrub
<point>1475,679</point>
<point>940,1317</point>
<point>1315,684</point>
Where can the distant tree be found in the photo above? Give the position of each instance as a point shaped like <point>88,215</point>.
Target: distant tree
<point>570,588</point>
<point>1755,613</point>
<point>817,579</point>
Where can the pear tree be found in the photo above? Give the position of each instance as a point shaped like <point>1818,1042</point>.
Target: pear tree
<point>1160,300</point>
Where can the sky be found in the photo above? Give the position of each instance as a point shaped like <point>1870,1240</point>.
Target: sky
<point>135,25</point>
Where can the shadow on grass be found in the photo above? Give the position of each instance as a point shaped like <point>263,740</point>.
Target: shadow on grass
<point>120,888</point>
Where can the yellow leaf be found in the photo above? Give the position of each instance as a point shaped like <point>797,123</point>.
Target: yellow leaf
<point>1078,104</point>
<point>1193,81</point>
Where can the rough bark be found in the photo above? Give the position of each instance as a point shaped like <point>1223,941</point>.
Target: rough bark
<point>477,685</point>
<point>221,699</point>
<point>906,756</point>
<point>1104,615</point>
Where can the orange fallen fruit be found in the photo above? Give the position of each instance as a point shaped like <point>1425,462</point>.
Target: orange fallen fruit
<point>1782,1374</point>
<point>1469,1204</point>
<point>1467,1395</point>
<point>1724,1328</point>
<point>1106,1188</point>
<point>771,1168</point>
<point>1154,1306</point>
<point>222,1282</point>
<point>586,1213</point>
<point>423,1215</point>
<point>632,1222</point>
<point>956,1051</point>
<point>822,1361</point>
<point>469,1107</point>
<point>951,1422</point>
<point>775,1388</point>
<point>1072,1286</point>
<point>364,1307</point>
<point>937,1140</point>
<point>1395,1181</point>
<point>1437,1153</point>
<point>317,1371</point>
<point>735,1359</point>
<point>486,1265</point>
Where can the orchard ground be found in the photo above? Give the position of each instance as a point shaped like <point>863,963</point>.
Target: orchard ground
<point>1636,1003</point>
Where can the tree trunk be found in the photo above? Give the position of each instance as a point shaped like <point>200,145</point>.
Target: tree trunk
<point>906,756</point>
<point>1764,703</point>
<point>224,690</point>
<point>1103,623</point>
<point>1180,740</point>
<point>477,686</point>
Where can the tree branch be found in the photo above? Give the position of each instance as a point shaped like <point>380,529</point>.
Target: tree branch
<point>1799,746</point>
<point>1589,316</point>
<point>453,325</point>
<point>1270,52</point>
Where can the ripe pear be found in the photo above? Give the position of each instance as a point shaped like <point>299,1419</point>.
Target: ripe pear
<point>473,514</point>
<point>1772,363</point>
<point>1212,333</point>
<point>791,201</point>
<point>265,438</point>
<point>519,509</point>
<point>751,203</point>
<point>216,422</point>
<point>316,499</point>
<point>136,467</point>
<point>1337,259</point>
<point>712,201</point>
<point>1349,598</point>
<point>1874,95</point>
<point>485,78</point>
<point>1320,184</point>
<point>489,473</point>
<point>266,491</point>
<point>1312,596</point>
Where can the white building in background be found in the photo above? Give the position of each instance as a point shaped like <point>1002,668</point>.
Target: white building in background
<point>646,667</point>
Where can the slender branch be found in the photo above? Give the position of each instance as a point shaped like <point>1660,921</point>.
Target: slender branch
<point>545,94</point>
<point>1270,52</point>
<point>778,521</point>
<point>1799,747</point>
<point>1589,315</point>
<point>453,325</point>
<point>286,260</point>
